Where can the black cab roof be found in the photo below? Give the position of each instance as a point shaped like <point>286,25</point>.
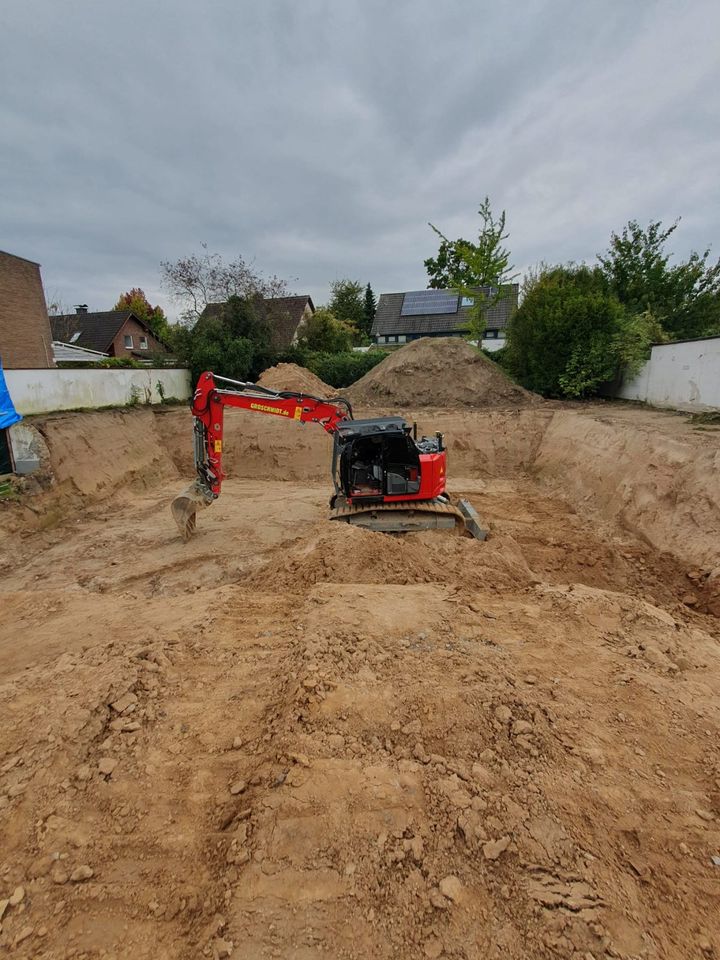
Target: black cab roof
<point>349,429</point>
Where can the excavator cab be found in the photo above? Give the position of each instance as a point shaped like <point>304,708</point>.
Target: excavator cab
<point>387,480</point>
<point>375,459</point>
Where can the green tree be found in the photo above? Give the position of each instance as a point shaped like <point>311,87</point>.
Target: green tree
<point>211,346</point>
<point>369,308</point>
<point>235,342</point>
<point>323,332</point>
<point>154,317</point>
<point>346,303</point>
<point>571,334</point>
<point>246,318</point>
<point>470,267</point>
<point>684,297</point>
<point>448,268</point>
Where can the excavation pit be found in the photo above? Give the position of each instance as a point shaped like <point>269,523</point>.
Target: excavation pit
<point>317,740</point>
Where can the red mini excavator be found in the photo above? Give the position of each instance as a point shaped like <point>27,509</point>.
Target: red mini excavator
<point>384,477</point>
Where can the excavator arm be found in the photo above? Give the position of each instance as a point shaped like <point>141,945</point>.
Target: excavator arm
<point>212,394</point>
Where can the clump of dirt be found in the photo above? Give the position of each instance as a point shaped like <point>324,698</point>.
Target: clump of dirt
<point>290,376</point>
<point>442,372</point>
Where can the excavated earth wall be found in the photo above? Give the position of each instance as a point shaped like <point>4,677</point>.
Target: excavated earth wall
<point>663,487</point>
<point>647,472</point>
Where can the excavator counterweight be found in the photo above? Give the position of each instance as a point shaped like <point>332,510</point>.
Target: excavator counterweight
<point>384,477</point>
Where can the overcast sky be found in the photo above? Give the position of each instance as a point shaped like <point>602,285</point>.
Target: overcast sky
<point>319,136</point>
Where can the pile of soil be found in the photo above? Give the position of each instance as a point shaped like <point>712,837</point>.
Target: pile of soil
<point>442,372</point>
<point>290,376</point>
<point>342,553</point>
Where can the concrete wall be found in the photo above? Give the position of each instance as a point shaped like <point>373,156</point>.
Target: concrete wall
<point>28,447</point>
<point>43,391</point>
<point>25,338</point>
<point>683,376</point>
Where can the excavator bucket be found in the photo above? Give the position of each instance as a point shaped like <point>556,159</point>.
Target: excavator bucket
<point>185,506</point>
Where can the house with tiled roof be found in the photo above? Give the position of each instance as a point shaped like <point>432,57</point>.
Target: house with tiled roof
<point>284,314</point>
<point>117,333</point>
<point>401,317</point>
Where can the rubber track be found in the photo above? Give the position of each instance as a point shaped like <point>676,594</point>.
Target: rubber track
<point>348,511</point>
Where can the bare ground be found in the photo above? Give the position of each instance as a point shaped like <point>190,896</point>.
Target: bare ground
<point>295,739</point>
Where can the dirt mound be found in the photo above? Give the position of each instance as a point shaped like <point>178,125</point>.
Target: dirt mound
<point>443,372</point>
<point>341,553</point>
<point>290,376</point>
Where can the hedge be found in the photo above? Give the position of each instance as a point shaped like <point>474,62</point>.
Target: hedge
<point>335,369</point>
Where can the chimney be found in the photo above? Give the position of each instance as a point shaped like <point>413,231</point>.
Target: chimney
<point>81,308</point>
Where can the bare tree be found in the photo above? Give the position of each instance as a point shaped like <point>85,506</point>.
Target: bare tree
<point>64,317</point>
<point>196,281</point>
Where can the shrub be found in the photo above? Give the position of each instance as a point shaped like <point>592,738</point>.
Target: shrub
<point>342,369</point>
<point>128,362</point>
<point>335,369</point>
<point>107,362</point>
<point>640,330</point>
<point>323,332</point>
<point>212,346</point>
<point>571,334</point>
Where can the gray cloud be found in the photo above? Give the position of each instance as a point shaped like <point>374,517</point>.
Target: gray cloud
<point>320,137</point>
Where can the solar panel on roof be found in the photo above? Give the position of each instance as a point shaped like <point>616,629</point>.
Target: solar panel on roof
<point>420,302</point>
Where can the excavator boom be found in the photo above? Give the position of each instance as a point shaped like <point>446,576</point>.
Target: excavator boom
<point>212,394</point>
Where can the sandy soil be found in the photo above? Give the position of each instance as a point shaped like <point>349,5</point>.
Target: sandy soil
<point>289,376</point>
<point>417,375</point>
<point>295,739</point>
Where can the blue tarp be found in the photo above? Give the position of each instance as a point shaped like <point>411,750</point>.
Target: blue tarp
<point>8,413</point>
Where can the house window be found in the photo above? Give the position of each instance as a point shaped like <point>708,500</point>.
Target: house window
<point>467,301</point>
<point>128,342</point>
<point>76,336</point>
<point>143,343</point>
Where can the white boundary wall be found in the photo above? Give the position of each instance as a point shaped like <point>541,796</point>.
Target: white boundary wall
<point>44,391</point>
<point>683,375</point>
